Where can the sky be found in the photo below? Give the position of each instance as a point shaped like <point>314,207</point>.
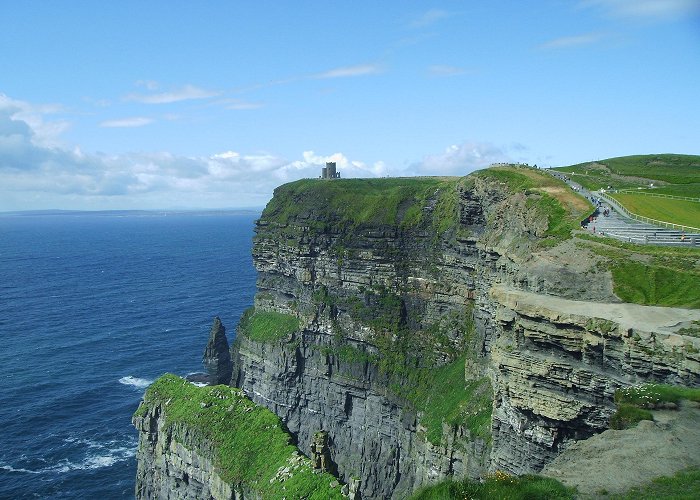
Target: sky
<point>212,104</point>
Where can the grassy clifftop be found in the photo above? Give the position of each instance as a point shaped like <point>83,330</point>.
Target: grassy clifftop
<point>357,202</point>
<point>422,202</point>
<point>249,442</point>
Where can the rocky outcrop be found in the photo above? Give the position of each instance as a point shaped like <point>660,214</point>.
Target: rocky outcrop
<point>617,460</point>
<point>171,465</point>
<point>217,358</point>
<point>556,364</point>
<point>214,443</point>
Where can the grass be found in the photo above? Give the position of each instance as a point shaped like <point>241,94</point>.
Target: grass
<point>499,486</point>
<point>443,395</point>
<point>651,395</point>
<point>674,174</point>
<point>686,213</point>
<point>633,403</point>
<point>404,202</point>
<point>649,274</point>
<point>248,441</point>
<point>692,331</point>
<point>684,485</point>
<point>646,284</point>
<point>267,326</point>
<point>671,174</point>
<point>628,416</point>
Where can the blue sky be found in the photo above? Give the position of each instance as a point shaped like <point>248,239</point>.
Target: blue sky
<point>172,104</point>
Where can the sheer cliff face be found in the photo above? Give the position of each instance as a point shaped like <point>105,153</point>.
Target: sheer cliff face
<point>359,291</point>
<point>384,299</point>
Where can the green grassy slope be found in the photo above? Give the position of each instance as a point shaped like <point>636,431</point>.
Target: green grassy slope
<point>649,274</point>
<point>671,174</point>
<point>249,441</point>
<point>677,175</point>
<point>393,201</point>
<point>682,212</point>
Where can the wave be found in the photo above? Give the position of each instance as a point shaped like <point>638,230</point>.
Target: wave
<point>140,383</point>
<point>105,459</point>
<point>9,468</point>
<point>106,455</point>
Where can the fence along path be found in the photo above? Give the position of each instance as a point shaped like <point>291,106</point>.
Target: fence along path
<point>621,224</point>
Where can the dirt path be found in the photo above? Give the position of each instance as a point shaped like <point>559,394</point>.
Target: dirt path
<point>615,461</point>
<point>647,318</point>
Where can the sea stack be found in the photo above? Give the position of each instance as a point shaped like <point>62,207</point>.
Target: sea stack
<point>217,358</point>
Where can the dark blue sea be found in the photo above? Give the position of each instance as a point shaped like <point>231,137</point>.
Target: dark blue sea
<point>93,308</point>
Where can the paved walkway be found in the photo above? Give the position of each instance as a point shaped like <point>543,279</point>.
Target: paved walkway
<point>617,225</point>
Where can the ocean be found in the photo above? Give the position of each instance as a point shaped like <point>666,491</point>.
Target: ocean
<point>93,308</point>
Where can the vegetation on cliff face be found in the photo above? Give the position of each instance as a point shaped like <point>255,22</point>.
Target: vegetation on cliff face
<point>267,326</point>
<point>498,485</point>
<point>648,274</point>
<point>634,403</point>
<point>412,361</point>
<point>249,443</point>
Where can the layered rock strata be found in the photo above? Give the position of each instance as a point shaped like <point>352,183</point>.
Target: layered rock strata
<point>553,373</point>
<point>373,294</point>
<point>556,364</point>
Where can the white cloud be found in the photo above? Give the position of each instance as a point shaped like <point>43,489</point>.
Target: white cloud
<point>349,71</point>
<point>149,84</point>
<point>650,9</point>
<point>573,41</point>
<point>237,104</point>
<point>136,121</point>
<point>34,175</point>
<point>45,133</point>
<point>185,93</point>
<point>429,17</point>
<point>460,159</point>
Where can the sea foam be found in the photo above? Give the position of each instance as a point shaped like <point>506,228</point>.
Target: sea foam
<point>140,383</point>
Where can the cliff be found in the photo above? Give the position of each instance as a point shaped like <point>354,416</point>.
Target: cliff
<point>389,315</point>
<point>213,442</point>
<point>217,358</point>
<point>429,328</point>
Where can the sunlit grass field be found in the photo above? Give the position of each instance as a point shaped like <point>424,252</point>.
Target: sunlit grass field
<point>682,212</point>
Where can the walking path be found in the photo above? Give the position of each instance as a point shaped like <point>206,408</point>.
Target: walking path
<point>618,225</point>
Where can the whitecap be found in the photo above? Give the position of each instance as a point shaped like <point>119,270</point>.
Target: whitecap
<point>9,468</point>
<point>140,383</point>
<point>103,457</point>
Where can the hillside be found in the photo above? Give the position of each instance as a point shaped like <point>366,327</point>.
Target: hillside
<point>671,174</point>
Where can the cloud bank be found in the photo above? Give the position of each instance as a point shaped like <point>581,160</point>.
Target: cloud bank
<point>36,173</point>
<point>460,159</point>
